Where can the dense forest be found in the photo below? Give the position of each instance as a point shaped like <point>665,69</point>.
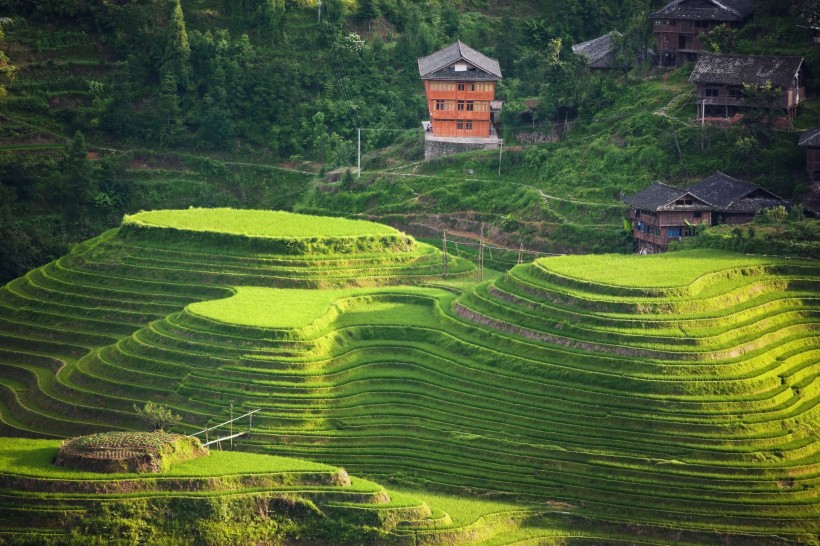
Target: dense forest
<point>89,85</point>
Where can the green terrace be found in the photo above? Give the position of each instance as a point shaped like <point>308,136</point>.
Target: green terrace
<point>578,399</point>
<point>233,481</point>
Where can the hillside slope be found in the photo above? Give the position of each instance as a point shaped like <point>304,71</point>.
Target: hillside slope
<point>669,396</point>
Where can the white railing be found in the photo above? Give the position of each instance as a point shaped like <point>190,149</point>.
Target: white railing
<point>231,435</point>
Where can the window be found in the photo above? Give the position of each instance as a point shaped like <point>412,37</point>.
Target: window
<point>459,125</point>
<point>469,125</point>
<point>461,106</point>
<point>461,87</point>
<point>712,92</point>
<point>736,94</point>
<point>470,106</point>
<point>442,86</point>
<point>440,105</point>
<point>673,232</point>
<point>471,87</point>
<point>637,213</point>
<point>698,214</point>
<point>701,24</point>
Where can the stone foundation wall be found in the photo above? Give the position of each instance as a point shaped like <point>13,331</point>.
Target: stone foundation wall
<point>433,149</point>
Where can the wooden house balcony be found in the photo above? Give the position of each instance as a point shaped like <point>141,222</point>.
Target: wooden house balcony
<point>665,28</point>
<point>659,240</point>
<point>461,95</point>
<point>460,115</point>
<point>789,99</point>
<point>723,100</point>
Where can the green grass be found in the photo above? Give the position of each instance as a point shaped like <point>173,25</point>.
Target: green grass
<point>257,223</point>
<point>464,509</point>
<point>35,458</point>
<point>652,271</point>
<point>286,308</point>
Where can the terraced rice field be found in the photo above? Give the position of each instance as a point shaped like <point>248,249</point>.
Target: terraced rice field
<point>653,400</point>
<point>234,481</point>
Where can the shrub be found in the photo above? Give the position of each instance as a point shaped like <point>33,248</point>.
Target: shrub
<point>159,418</point>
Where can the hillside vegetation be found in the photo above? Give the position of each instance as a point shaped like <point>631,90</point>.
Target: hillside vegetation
<point>672,397</point>
<point>243,104</point>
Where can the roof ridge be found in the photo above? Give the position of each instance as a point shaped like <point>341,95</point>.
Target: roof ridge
<point>715,2</point>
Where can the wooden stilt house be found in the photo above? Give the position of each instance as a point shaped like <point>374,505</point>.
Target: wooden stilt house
<point>460,86</point>
<point>722,82</point>
<point>661,213</point>
<point>678,25</point>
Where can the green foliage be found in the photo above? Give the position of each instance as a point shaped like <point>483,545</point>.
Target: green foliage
<point>7,70</point>
<point>157,417</point>
<point>773,232</point>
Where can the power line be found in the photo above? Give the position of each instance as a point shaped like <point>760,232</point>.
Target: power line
<point>338,65</point>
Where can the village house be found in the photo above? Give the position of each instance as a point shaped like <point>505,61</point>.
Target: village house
<point>460,86</point>
<point>600,53</point>
<point>721,82</point>
<point>810,140</point>
<point>661,214</point>
<point>677,26</point>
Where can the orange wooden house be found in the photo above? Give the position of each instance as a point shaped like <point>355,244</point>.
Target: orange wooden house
<point>460,86</point>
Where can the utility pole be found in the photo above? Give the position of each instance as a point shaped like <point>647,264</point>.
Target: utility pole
<point>360,153</point>
<point>500,149</point>
<point>481,255</point>
<point>444,256</point>
<point>320,11</point>
<point>702,123</point>
<point>231,429</point>
<point>521,254</point>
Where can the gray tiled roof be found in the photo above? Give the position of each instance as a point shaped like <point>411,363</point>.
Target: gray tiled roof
<point>435,66</point>
<point>656,197</point>
<point>708,10</point>
<point>810,139</point>
<point>752,69</point>
<point>597,50</point>
<point>732,195</point>
<point>718,192</point>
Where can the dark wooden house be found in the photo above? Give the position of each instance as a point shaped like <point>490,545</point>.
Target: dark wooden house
<point>677,25</point>
<point>661,213</point>
<point>460,86</point>
<point>721,82</point>
<point>810,140</point>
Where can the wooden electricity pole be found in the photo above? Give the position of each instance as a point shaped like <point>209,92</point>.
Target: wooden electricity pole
<point>481,255</point>
<point>444,255</point>
<point>521,254</point>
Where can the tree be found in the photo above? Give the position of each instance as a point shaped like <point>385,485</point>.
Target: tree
<point>368,10</point>
<point>159,418</point>
<point>764,101</point>
<point>720,39</point>
<point>7,69</point>
<point>177,57</point>
<point>808,10</point>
